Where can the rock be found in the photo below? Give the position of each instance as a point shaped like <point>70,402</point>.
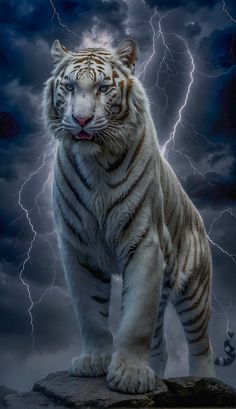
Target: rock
<point>200,392</point>
<point>31,400</point>
<point>93,392</point>
<point>59,390</point>
<point>4,391</point>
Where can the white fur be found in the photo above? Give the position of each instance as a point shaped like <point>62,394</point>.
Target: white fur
<point>107,249</point>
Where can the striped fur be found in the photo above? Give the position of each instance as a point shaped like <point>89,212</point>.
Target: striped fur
<point>120,209</point>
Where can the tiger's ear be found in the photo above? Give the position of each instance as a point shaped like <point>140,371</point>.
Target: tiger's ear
<point>58,51</point>
<point>127,53</point>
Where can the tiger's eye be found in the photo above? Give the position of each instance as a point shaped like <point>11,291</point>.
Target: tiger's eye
<point>69,87</point>
<point>103,88</point>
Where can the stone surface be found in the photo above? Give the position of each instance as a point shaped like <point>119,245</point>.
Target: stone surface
<point>31,400</point>
<point>200,392</point>
<point>59,390</point>
<point>93,392</point>
<point>4,391</point>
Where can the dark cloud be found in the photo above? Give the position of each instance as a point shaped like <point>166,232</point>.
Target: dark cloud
<point>190,5</point>
<point>192,29</point>
<point>218,51</point>
<point>111,14</point>
<point>214,190</point>
<point>228,102</point>
<point>9,127</point>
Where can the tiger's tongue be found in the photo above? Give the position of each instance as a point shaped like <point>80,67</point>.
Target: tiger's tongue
<point>83,135</point>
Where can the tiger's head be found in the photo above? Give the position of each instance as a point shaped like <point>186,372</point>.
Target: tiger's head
<point>93,98</point>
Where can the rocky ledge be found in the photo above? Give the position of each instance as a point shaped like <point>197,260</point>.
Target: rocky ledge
<point>59,390</point>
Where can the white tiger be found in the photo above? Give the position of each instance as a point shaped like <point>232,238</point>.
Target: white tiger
<point>120,209</point>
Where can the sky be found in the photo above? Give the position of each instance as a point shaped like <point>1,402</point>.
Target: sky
<point>187,64</point>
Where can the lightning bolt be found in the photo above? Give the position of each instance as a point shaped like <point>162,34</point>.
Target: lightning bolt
<point>222,311</point>
<point>63,25</point>
<point>49,151</point>
<point>232,256</point>
<point>226,11</point>
<point>222,212</point>
<point>147,62</point>
<point>229,210</point>
<point>186,98</point>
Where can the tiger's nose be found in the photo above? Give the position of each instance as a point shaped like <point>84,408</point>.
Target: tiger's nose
<point>81,120</point>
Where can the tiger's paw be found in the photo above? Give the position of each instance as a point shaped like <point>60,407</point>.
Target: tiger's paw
<point>86,365</point>
<point>131,378</point>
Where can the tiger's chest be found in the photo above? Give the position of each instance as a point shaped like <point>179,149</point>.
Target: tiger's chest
<point>82,192</point>
<point>106,213</point>
<point>109,207</point>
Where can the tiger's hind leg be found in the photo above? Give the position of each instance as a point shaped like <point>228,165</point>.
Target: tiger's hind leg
<point>158,353</point>
<point>193,308</point>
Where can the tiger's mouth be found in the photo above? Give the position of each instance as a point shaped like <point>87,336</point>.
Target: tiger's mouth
<point>83,136</point>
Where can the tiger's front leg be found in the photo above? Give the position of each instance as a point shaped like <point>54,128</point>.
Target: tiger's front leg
<point>129,370</point>
<point>90,291</point>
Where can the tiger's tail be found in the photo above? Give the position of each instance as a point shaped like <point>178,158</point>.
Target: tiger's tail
<point>229,351</point>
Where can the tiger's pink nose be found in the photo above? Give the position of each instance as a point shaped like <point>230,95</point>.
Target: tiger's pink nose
<point>82,121</point>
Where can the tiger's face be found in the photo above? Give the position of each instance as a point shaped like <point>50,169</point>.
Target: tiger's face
<point>90,93</point>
